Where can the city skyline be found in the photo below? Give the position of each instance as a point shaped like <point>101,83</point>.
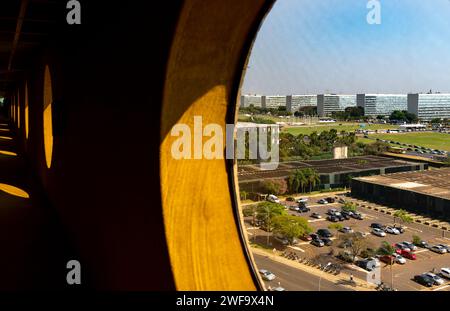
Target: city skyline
<point>312,47</point>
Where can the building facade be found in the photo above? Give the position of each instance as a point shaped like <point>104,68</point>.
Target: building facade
<point>329,103</point>
<point>381,104</point>
<point>247,100</point>
<point>295,102</point>
<point>274,101</point>
<point>429,106</point>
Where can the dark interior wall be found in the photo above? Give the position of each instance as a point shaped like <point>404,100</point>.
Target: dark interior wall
<point>107,76</point>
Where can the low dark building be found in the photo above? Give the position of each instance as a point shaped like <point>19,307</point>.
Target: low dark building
<point>426,193</point>
<point>333,173</point>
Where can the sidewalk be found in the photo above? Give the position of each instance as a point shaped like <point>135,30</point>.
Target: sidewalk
<point>341,279</point>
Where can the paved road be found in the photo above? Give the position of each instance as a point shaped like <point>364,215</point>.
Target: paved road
<point>293,279</point>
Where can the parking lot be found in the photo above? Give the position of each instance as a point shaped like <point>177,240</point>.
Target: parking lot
<point>402,274</point>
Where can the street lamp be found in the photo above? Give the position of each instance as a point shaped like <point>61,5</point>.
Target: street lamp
<point>320,278</point>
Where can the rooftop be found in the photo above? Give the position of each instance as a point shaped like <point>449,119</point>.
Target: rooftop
<point>354,164</point>
<point>434,182</point>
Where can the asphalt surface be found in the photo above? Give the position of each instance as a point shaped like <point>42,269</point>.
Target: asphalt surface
<point>293,279</point>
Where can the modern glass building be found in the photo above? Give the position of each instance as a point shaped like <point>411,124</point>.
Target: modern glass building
<point>247,100</point>
<point>329,103</point>
<point>381,104</point>
<point>273,101</point>
<point>429,106</point>
<point>295,102</point>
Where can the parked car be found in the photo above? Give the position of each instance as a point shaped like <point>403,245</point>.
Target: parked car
<point>437,279</point>
<point>406,254</point>
<point>424,280</point>
<point>326,241</point>
<point>377,225</point>
<point>347,214</point>
<point>346,230</point>
<point>272,198</point>
<point>438,249</point>
<point>410,245</point>
<point>330,200</point>
<point>332,211</point>
<point>399,259</point>
<point>402,246</point>
<point>306,237</point>
<point>391,230</point>
<point>445,272</point>
<point>389,259</point>
<point>341,200</point>
<point>447,248</point>
<point>303,209</point>
<point>357,215</point>
<point>267,275</point>
<point>378,232</point>
<point>317,242</point>
<point>423,244</point>
<point>339,217</point>
<point>324,233</point>
<point>302,200</point>
<point>333,218</point>
<point>400,228</point>
<point>322,201</point>
<point>293,208</point>
<point>316,215</point>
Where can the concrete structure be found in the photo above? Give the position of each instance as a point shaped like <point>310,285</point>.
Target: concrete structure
<point>329,103</point>
<point>273,101</point>
<point>426,192</point>
<point>381,104</point>
<point>429,106</point>
<point>340,152</point>
<point>295,102</point>
<point>247,100</point>
<point>333,173</point>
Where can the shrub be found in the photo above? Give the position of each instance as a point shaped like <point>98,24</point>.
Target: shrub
<point>335,226</point>
<point>416,239</point>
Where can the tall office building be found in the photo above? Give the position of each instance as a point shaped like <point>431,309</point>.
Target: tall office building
<point>295,102</point>
<point>273,101</point>
<point>429,106</point>
<point>247,100</point>
<point>381,104</point>
<point>329,103</point>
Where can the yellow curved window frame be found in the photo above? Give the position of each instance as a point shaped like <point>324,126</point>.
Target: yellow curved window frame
<point>26,110</point>
<point>47,115</point>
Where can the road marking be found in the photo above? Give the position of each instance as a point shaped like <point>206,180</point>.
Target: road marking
<point>297,248</point>
<point>414,229</point>
<point>316,220</point>
<point>421,251</point>
<point>441,288</point>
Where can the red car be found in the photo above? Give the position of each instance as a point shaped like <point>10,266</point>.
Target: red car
<point>387,259</point>
<point>306,237</point>
<point>406,254</point>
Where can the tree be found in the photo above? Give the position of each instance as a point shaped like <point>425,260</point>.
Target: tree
<point>266,211</point>
<point>274,186</point>
<point>416,239</point>
<point>376,148</point>
<point>387,249</point>
<point>243,195</point>
<point>291,227</point>
<point>297,181</point>
<point>436,121</point>
<point>335,226</point>
<point>403,216</point>
<point>356,243</point>
<point>312,178</point>
<point>349,206</point>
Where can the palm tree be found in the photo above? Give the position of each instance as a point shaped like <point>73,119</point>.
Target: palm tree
<point>387,249</point>
<point>266,211</point>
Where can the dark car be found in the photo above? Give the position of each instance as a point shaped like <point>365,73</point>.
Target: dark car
<point>340,217</point>
<point>314,236</point>
<point>357,215</point>
<point>423,244</point>
<point>330,200</point>
<point>346,213</point>
<point>324,233</point>
<point>327,241</point>
<point>318,242</point>
<point>333,218</point>
<point>424,280</point>
<point>377,225</point>
<point>303,209</point>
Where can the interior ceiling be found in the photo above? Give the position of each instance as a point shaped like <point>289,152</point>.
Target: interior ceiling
<point>24,26</point>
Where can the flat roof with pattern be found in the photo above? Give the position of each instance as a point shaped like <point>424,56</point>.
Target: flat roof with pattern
<point>435,182</point>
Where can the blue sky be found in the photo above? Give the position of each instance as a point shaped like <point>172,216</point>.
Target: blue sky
<point>327,46</point>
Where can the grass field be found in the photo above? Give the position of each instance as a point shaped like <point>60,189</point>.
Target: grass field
<point>344,127</point>
<point>430,140</point>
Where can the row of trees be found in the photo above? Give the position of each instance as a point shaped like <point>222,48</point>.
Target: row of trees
<point>349,114</point>
<point>403,116</point>
<point>302,179</point>
<point>274,218</point>
<point>279,111</point>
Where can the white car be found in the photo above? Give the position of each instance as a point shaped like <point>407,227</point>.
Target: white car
<point>391,230</point>
<point>267,275</point>
<point>378,232</point>
<point>399,259</point>
<point>437,280</point>
<point>294,208</point>
<point>272,198</point>
<point>445,272</point>
<point>302,200</point>
<point>438,249</point>
<point>322,201</point>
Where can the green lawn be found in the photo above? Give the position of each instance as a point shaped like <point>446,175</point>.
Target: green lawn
<point>430,140</point>
<point>344,127</point>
